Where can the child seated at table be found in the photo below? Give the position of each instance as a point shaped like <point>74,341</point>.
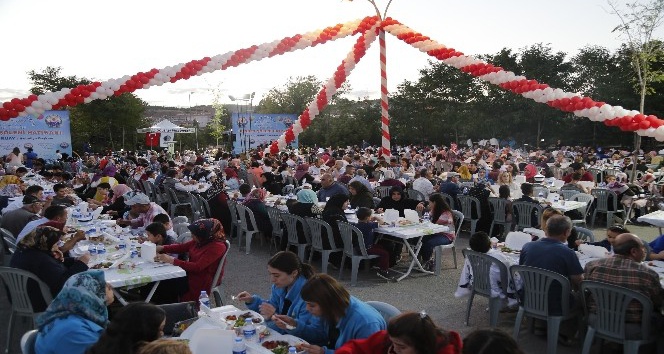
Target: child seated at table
<point>156,233</point>
<point>480,242</point>
<point>366,223</point>
<point>166,221</point>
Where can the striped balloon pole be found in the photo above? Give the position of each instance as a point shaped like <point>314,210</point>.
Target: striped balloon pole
<point>384,113</point>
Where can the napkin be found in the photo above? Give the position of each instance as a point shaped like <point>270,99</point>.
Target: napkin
<point>391,215</point>
<point>96,213</point>
<point>148,251</point>
<point>593,251</point>
<point>411,215</point>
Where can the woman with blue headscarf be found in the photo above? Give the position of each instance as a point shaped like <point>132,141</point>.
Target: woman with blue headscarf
<point>76,318</point>
<point>306,205</point>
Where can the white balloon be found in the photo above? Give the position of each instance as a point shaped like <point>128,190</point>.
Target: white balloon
<point>30,110</point>
<point>659,133</point>
<point>47,106</point>
<point>88,99</point>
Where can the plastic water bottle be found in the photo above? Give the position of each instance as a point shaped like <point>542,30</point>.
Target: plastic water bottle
<point>556,198</point>
<point>122,246</point>
<point>540,195</point>
<point>205,300</point>
<point>133,251</point>
<point>425,217</point>
<point>93,252</point>
<point>249,332</point>
<point>239,347</point>
<point>101,250</point>
<point>292,350</point>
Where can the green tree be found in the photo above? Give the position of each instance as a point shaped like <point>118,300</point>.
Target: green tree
<point>638,22</point>
<point>106,124</point>
<point>216,127</point>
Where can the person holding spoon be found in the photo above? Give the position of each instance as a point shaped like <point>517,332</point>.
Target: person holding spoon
<point>285,311</point>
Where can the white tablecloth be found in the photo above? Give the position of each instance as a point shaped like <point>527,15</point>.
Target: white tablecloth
<point>569,205</point>
<point>655,218</point>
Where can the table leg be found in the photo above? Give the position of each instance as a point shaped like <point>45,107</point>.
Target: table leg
<point>151,293</point>
<point>414,262</point>
<point>124,302</point>
<point>119,297</point>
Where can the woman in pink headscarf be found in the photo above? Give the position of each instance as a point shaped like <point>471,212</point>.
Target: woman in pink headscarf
<point>117,203</point>
<point>530,171</point>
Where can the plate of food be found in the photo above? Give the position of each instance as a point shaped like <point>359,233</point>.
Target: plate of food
<point>102,265</point>
<point>279,343</point>
<point>239,318</point>
<point>404,222</point>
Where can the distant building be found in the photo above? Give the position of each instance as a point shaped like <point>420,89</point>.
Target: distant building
<point>184,117</point>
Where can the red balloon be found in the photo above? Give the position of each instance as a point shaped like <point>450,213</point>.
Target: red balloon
<point>644,124</point>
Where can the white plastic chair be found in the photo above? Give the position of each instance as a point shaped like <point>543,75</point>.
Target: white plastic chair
<point>438,250</point>
<point>348,233</point>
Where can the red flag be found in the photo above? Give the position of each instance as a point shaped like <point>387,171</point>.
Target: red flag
<point>152,139</point>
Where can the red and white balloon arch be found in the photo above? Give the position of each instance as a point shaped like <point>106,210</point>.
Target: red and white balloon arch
<point>369,28</point>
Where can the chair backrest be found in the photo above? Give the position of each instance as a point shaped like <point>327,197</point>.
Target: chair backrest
<point>220,266</point>
<point>382,191</point>
<point>184,237</point>
<point>9,240</point>
<point>247,218</point>
<point>498,205</point>
<point>28,341</point>
<point>376,201</point>
<point>178,312</point>
<point>179,220</point>
<point>536,285</point>
<point>317,227</point>
<point>602,196</point>
<point>567,194</point>
<point>275,218</point>
<point>415,195</point>
<point>515,239</point>
<point>292,221</point>
<point>16,281</point>
<point>348,233</point>
<point>181,228</point>
<point>232,205</point>
<point>597,174</point>
<point>458,221</point>
<point>449,199</point>
<point>386,310</point>
<point>611,303</point>
<point>611,171</point>
<point>467,205</point>
<point>585,234</point>
<point>540,189</point>
<point>481,266</point>
<point>525,211</point>
<point>195,206</point>
<point>204,206</point>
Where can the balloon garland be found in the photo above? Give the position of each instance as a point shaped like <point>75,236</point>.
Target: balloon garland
<point>626,120</point>
<point>328,90</point>
<point>71,97</point>
<point>575,103</point>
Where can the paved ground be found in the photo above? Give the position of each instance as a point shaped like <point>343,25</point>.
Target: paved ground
<point>433,294</point>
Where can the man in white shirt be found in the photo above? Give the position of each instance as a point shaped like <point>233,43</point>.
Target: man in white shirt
<point>315,169</point>
<point>423,185</point>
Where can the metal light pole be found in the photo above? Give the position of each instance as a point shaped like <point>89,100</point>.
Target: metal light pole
<point>195,121</point>
<point>245,139</point>
<point>251,112</point>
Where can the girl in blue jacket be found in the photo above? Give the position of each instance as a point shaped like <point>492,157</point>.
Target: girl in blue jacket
<point>344,317</point>
<point>285,311</point>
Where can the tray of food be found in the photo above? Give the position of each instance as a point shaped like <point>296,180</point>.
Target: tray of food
<point>239,318</point>
<point>279,343</point>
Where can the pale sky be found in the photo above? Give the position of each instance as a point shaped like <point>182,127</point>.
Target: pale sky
<point>110,39</point>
